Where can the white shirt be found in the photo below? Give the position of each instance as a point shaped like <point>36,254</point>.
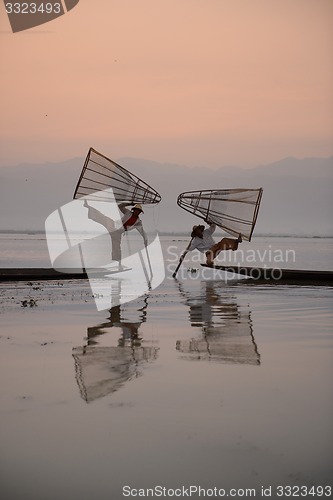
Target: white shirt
<point>206,242</point>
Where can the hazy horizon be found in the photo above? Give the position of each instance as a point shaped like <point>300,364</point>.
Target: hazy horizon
<point>297,196</point>
<point>124,159</point>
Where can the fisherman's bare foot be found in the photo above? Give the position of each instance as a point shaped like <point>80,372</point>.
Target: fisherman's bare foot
<point>121,267</point>
<point>239,239</point>
<point>85,204</point>
<point>209,260</point>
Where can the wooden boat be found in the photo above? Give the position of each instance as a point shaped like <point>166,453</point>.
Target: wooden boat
<point>292,276</point>
<point>255,274</point>
<point>48,274</point>
<point>39,274</point>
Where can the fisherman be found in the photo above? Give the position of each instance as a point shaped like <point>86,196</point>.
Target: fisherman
<point>130,220</point>
<point>203,241</point>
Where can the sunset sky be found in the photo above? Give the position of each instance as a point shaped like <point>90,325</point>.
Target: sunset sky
<point>196,82</point>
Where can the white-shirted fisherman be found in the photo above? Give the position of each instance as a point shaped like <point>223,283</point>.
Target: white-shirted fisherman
<point>203,241</point>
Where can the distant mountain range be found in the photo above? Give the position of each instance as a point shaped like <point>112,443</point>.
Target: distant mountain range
<point>297,197</point>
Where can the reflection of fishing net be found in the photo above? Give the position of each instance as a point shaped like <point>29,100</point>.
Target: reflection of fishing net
<point>99,174</point>
<point>234,210</point>
<point>222,345</point>
<point>100,371</point>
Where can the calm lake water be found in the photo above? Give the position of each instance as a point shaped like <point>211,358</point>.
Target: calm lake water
<point>30,250</point>
<point>199,383</point>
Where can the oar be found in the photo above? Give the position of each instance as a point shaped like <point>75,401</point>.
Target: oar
<point>149,264</point>
<point>182,257</point>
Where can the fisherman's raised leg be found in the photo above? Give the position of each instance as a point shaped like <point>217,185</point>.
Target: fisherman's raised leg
<point>97,216</point>
<point>224,244</point>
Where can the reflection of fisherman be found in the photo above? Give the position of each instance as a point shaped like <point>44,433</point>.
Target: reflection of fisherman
<point>203,241</point>
<point>130,329</point>
<point>226,328</point>
<point>130,220</point>
<point>101,369</point>
<point>127,317</point>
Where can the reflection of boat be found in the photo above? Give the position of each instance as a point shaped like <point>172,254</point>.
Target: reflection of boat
<point>102,370</point>
<point>226,328</point>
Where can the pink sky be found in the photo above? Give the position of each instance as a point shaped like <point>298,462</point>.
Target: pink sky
<point>196,82</point>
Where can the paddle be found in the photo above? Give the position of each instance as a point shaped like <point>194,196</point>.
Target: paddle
<point>182,257</point>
